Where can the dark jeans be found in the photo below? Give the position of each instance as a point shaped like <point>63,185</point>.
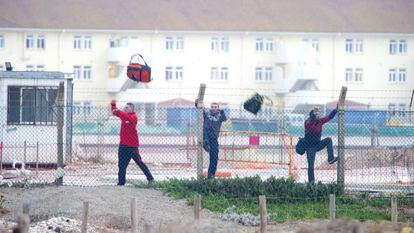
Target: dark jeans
<point>311,152</point>
<point>212,140</point>
<point>125,154</point>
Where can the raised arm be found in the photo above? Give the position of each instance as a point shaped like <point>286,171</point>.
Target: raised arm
<point>329,117</point>
<point>121,114</point>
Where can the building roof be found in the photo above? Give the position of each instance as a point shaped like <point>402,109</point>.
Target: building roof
<point>32,74</point>
<point>176,103</point>
<point>332,16</point>
<point>348,104</point>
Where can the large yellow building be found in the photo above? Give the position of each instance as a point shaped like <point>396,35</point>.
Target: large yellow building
<point>297,51</point>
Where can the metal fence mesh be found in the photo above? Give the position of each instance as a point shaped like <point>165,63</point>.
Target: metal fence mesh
<point>379,147</point>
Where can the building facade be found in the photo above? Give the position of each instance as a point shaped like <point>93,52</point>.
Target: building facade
<point>295,66</point>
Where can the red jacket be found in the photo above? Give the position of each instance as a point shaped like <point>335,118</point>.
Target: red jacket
<point>313,127</point>
<point>129,133</point>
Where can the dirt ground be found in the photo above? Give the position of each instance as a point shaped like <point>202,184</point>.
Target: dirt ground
<point>109,210</point>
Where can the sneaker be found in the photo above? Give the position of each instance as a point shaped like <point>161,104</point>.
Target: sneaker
<point>333,160</point>
<point>150,182</point>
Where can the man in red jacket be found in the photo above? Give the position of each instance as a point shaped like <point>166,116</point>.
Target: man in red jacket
<point>129,143</point>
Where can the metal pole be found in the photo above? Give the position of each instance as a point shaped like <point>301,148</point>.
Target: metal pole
<point>60,123</point>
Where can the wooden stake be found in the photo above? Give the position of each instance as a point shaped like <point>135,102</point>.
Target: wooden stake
<point>60,121</point>
<point>197,206</point>
<point>85,211</point>
<point>394,210</point>
<point>341,138</point>
<point>263,214</point>
<point>200,109</point>
<point>332,207</point>
<point>134,215</point>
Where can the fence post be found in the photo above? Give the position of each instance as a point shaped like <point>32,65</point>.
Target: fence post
<point>134,215</point>
<point>84,227</point>
<point>60,121</point>
<point>197,206</point>
<point>37,157</point>
<point>1,156</point>
<point>332,207</point>
<point>200,109</point>
<point>24,154</point>
<point>410,107</point>
<point>394,209</point>
<point>263,214</point>
<point>341,139</point>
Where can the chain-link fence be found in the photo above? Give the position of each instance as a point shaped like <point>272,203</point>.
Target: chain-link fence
<point>379,147</point>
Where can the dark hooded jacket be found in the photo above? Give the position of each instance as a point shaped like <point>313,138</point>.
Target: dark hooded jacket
<point>313,127</point>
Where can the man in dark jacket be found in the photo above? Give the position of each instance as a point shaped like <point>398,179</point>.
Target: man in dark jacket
<point>129,143</point>
<point>213,118</point>
<point>313,132</point>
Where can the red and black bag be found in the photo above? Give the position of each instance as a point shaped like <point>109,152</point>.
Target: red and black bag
<point>139,72</point>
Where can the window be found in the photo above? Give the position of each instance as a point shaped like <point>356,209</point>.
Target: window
<point>179,43</point>
<point>169,43</point>
<point>269,44</point>
<point>31,105</point>
<point>259,44</point>
<point>393,47</point>
<point>359,46</point>
<point>392,75</point>
<point>214,73</point>
<point>76,42</point>
<point>172,43</point>
<point>268,73</point>
<point>168,73</point>
<point>358,74</point>
<point>1,41</point>
<point>76,72</point>
<point>87,70</point>
<point>179,73</point>
<point>112,43</point>
<point>312,42</point>
<point>349,46</point>
<point>87,42</point>
<point>402,46</point>
<point>123,41</point>
<point>348,75</point>
<point>258,73</point>
<point>29,42</point>
<point>397,75</point>
<point>40,68</point>
<point>220,44</point>
<point>76,110</point>
<point>315,44</point>
<point>402,75</point>
<point>391,109</point>
<point>87,108</point>
<point>114,70</point>
<point>224,73</point>
<point>225,44</point>
<point>214,44</point>
<point>41,42</point>
<point>401,110</point>
<point>29,67</point>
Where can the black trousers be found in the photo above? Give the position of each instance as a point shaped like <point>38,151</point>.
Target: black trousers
<point>311,153</point>
<point>125,154</point>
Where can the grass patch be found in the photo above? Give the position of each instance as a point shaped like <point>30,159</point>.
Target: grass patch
<point>286,199</point>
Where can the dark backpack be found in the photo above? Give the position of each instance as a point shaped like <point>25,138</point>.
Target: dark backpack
<point>254,103</point>
<point>301,146</point>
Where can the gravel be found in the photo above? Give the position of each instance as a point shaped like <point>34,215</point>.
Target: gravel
<point>109,207</point>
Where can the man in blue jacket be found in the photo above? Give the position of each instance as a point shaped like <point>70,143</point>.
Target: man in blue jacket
<point>213,118</point>
<point>313,132</point>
